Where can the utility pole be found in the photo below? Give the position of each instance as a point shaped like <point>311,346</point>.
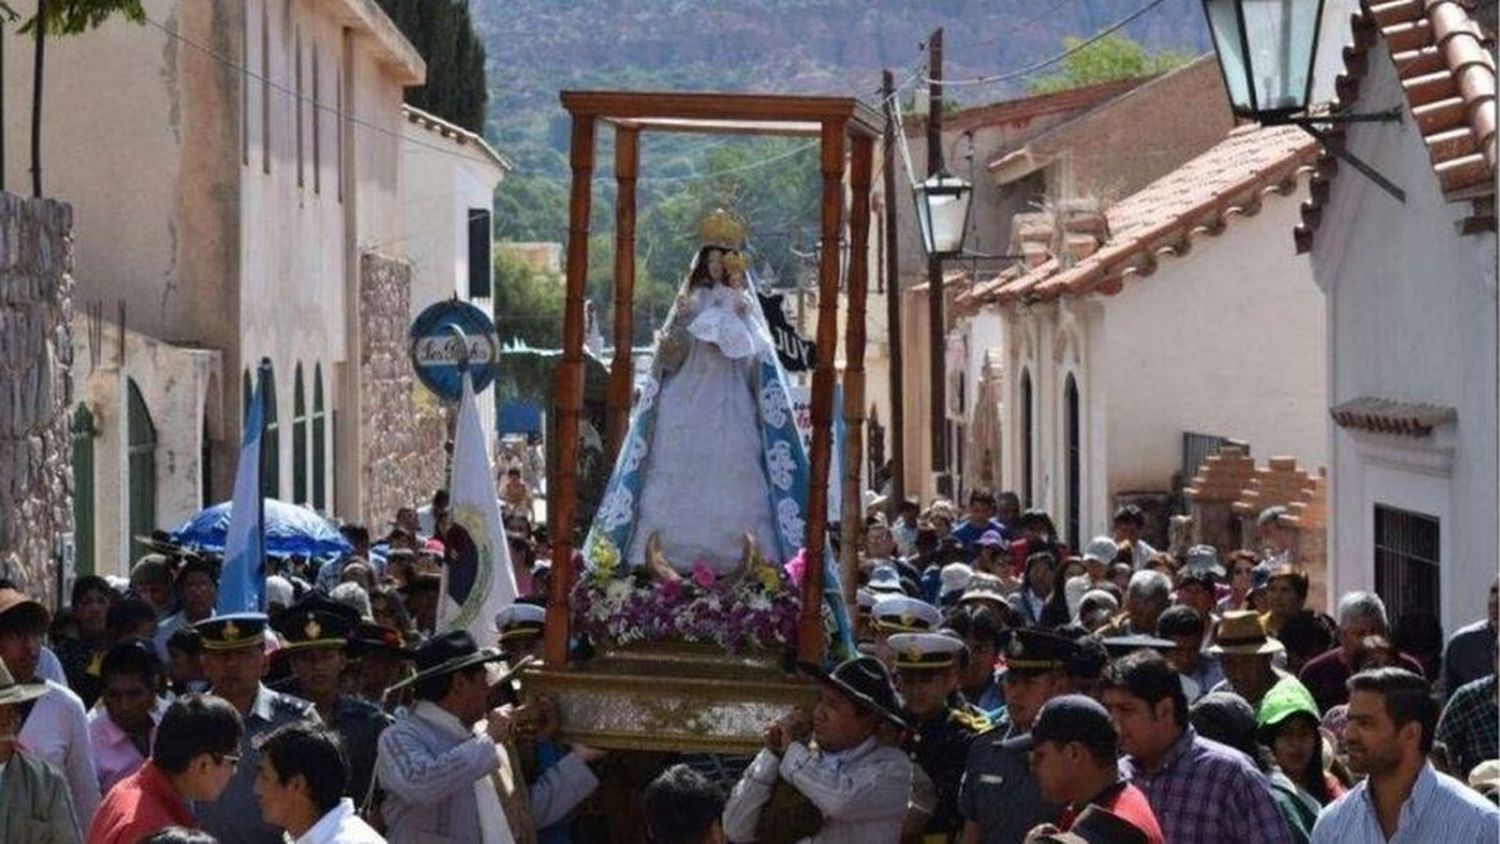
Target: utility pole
<point>893,301</point>
<point>937,334</point>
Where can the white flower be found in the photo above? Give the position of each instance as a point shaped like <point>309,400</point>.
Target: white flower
<point>780,465</point>
<point>616,509</point>
<point>789,517</point>
<point>774,405</point>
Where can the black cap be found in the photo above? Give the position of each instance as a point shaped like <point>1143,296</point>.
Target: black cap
<point>316,621</point>
<point>1068,718</point>
<point>1121,645</point>
<point>369,637</point>
<point>1032,651</point>
<point>454,651</point>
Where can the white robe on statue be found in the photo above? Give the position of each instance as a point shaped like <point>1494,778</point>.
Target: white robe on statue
<point>704,485</point>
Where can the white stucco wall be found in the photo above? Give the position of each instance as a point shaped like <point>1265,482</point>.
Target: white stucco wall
<point>1228,339</point>
<point>1411,317</point>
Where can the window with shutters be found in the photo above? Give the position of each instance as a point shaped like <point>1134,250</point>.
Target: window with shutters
<point>481,265</point>
<point>140,439</point>
<point>83,431</point>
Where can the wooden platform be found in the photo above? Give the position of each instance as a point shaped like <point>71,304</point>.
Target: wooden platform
<point>676,697</point>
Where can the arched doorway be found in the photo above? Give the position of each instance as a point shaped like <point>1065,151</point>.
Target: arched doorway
<point>140,438</point>
<point>1028,437</point>
<point>83,431</point>
<point>299,439</point>
<point>1074,459</point>
<point>319,442</point>
<point>270,447</point>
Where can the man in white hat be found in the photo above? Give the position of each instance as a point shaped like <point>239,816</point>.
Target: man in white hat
<point>927,666</point>
<point>1097,557</point>
<point>36,805</point>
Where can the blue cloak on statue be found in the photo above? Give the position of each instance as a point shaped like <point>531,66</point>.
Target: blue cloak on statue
<point>713,459</point>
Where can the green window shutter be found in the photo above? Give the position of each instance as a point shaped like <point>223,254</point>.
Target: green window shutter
<point>140,435</point>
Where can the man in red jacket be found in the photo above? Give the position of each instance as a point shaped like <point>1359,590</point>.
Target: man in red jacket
<point>193,759</point>
<point>1073,748</point>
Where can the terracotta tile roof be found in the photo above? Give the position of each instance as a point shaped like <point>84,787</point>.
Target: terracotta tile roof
<point>1386,416</point>
<point>1448,75</point>
<point>457,134</point>
<point>1164,217</point>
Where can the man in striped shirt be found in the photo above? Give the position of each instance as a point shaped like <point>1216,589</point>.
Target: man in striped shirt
<point>1200,790</point>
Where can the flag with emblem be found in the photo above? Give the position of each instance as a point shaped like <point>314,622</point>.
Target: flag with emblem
<point>242,583</point>
<point>478,580</point>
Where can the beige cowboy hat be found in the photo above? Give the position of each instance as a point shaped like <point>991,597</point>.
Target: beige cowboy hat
<point>1241,632</point>
<point>12,693</point>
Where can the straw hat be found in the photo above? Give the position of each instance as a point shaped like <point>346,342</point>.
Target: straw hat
<point>12,693</point>
<point>1241,632</point>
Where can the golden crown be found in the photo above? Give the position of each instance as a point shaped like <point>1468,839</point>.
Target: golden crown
<point>723,229</point>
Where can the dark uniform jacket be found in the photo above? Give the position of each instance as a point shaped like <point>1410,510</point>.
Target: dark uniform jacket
<point>234,818</point>
<point>998,793</point>
<point>359,724</point>
<point>942,751</point>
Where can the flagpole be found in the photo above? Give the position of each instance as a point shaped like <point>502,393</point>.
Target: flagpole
<point>263,373</point>
<point>463,372</point>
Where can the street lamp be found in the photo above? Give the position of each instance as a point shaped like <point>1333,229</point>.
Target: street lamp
<point>1266,51</point>
<point>943,213</point>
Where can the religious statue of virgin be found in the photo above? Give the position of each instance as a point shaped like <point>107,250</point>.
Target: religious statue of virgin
<point>712,463</point>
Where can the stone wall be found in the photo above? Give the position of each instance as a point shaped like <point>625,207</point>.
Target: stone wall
<point>36,355</point>
<point>401,438</point>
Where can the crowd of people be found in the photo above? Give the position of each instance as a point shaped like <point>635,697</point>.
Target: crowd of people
<point>1006,690</point>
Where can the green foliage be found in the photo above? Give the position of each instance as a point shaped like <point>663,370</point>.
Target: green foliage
<point>1115,56</point>
<point>528,304</point>
<point>72,17</point>
<point>443,32</point>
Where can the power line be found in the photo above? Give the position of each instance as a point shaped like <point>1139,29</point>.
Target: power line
<point>1047,62</point>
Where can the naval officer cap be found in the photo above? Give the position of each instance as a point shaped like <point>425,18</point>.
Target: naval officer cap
<point>902,614</point>
<point>233,631</point>
<point>316,621</point>
<point>519,622</point>
<point>1031,651</point>
<point>925,651</point>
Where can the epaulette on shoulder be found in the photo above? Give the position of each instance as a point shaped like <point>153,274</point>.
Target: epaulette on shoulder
<point>976,722</point>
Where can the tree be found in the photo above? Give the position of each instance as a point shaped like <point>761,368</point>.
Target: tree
<point>443,32</point>
<point>528,304</point>
<point>63,17</point>
<point>1115,56</point>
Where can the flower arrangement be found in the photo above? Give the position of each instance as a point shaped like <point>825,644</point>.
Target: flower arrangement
<point>753,609</point>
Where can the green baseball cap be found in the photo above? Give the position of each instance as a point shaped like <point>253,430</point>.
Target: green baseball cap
<point>1285,699</point>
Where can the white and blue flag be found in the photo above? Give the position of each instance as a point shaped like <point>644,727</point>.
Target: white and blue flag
<point>242,583</point>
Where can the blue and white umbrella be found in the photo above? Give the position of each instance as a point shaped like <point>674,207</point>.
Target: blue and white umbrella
<point>291,529</point>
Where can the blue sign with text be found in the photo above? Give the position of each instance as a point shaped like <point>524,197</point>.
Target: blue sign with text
<point>437,350</point>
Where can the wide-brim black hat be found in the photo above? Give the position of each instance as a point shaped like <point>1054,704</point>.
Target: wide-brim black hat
<point>369,638</point>
<point>451,652</point>
<point>865,681</point>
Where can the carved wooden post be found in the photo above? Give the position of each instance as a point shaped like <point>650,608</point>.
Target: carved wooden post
<point>854,360</point>
<point>562,501</point>
<point>810,634</point>
<point>627,164</point>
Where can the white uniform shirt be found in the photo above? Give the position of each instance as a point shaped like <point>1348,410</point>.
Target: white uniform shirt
<point>342,825</point>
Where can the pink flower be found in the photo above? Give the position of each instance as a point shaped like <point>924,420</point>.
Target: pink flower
<point>671,590</point>
<point>703,575</point>
<point>796,567</point>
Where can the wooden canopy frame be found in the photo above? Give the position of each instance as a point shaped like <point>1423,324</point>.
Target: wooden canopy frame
<point>834,121</point>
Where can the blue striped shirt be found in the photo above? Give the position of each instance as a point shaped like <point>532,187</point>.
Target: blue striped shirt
<point>1440,809</point>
